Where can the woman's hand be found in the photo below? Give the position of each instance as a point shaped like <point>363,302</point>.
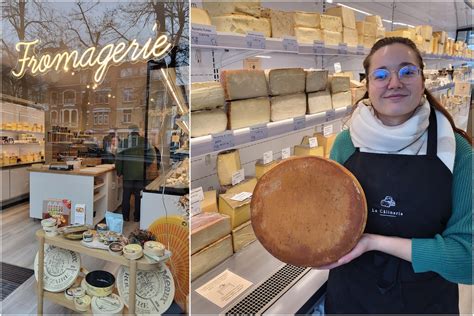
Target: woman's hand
<point>399,247</point>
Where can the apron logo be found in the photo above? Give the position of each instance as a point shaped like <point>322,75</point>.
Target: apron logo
<point>388,202</point>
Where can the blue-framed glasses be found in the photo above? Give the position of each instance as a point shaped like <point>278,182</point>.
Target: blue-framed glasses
<point>407,74</point>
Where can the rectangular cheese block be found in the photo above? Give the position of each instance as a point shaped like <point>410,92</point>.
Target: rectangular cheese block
<point>243,236</point>
<point>239,211</point>
<point>209,203</point>
<point>305,150</point>
<point>347,16</point>
<point>215,8</point>
<point>285,80</point>
<point>341,99</point>
<point>349,74</point>
<point>331,23</point>
<point>426,31</point>
<point>239,23</point>
<point>349,36</point>
<point>331,38</point>
<point>282,23</point>
<point>207,228</point>
<point>245,113</point>
<point>357,94</point>
<point>366,41</point>
<point>250,7</point>
<point>244,84</point>
<point>261,168</point>
<point>307,19</point>
<point>376,19</point>
<point>319,102</point>
<point>340,84</point>
<point>326,142</point>
<point>201,119</point>
<point>316,80</point>
<point>287,106</point>
<point>366,28</point>
<point>247,185</point>
<point>227,163</point>
<point>306,35</point>
<point>442,36</point>
<point>200,16</point>
<point>211,256</point>
<point>206,95</point>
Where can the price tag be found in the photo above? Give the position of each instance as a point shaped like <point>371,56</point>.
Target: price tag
<point>203,35</point>
<point>330,115</point>
<point>299,123</point>
<point>327,130</point>
<point>196,195</point>
<point>258,132</point>
<point>242,196</point>
<point>313,142</point>
<point>337,67</point>
<point>195,208</point>
<point>318,47</point>
<point>267,157</point>
<point>360,50</point>
<point>238,177</point>
<point>285,153</point>
<point>290,44</point>
<point>255,40</point>
<point>223,140</point>
<point>342,48</point>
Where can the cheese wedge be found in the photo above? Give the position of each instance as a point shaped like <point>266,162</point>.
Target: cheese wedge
<point>319,102</point>
<point>243,236</point>
<point>340,84</point>
<point>239,23</point>
<point>331,38</point>
<point>306,35</point>
<point>341,99</point>
<point>200,121</point>
<point>239,211</point>
<point>316,80</point>
<point>326,142</point>
<point>200,16</point>
<point>285,81</point>
<point>282,23</point>
<point>211,256</point>
<point>245,113</point>
<point>347,16</point>
<point>228,162</point>
<point>287,106</point>
<point>244,84</point>
<point>207,228</point>
<point>307,19</point>
<point>206,95</point>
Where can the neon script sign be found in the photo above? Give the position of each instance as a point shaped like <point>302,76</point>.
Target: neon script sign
<point>91,57</point>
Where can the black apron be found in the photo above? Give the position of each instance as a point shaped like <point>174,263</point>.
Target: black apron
<point>409,197</point>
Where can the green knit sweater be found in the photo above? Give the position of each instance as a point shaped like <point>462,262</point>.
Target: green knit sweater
<point>449,253</point>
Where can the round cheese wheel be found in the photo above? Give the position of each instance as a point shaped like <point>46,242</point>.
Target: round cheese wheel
<point>308,211</point>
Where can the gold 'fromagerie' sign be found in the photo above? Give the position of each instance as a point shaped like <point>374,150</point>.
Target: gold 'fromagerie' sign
<point>108,55</point>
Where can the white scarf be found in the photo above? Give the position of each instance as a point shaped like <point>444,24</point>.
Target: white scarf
<point>409,138</point>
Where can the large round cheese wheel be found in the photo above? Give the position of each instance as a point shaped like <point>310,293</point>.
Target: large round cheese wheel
<point>308,211</point>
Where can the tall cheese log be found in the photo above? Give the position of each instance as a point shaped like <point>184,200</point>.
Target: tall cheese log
<point>307,19</point>
<point>347,16</point>
<point>307,35</point>
<point>206,95</point>
<point>245,113</point>
<point>200,16</point>
<point>201,122</point>
<point>244,84</point>
<point>285,81</point>
<point>228,162</point>
<point>319,102</point>
<point>239,23</point>
<point>331,23</point>
<point>288,106</point>
<point>316,80</point>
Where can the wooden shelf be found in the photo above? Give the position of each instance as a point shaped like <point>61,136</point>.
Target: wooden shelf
<point>100,185</point>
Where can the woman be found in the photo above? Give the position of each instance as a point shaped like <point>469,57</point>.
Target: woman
<point>415,168</point>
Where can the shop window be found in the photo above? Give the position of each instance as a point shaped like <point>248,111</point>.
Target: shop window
<point>54,98</point>
<point>69,98</point>
<point>102,97</point>
<point>128,95</point>
<point>127,116</point>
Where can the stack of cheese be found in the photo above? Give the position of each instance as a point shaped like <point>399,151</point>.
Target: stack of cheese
<point>439,40</point>
<point>247,97</point>
<point>286,87</point>
<point>340,90</point>
<point>313,26</point>
<point>347,16</point>
<point>207,108</point>
<point>317,89</point>
<point>238,17</point>
<point>367,32</point>
<point>426,32</point>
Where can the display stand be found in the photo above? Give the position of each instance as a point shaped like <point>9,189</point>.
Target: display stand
<point>76,246</point>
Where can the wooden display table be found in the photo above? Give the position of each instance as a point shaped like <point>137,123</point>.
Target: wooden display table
<point>76,246</point>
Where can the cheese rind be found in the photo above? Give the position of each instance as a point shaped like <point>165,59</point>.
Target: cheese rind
<point>207,228</point>
<point>244,84</point>
<point>201,122</point>
<point>211,256</point>
<point>366,28</point>
<point>347,16</point>
<point>306,35</point>
<point>282,22</point>
<point>287,106</point>
<point>331,38</point>
<point>206,95</point>
<point>238,23</point>
<point>307,19</point>
<point>285,81</point>
<point>319,102</point>
<point>228,162</point>
<point>209,203</point>
<point>331,23</point>
<point>305,150</point>
<point>200,16</point>
<point>316,80</point>
<point>340,84</point>
<point>261,168</point>
<point>341,99</point>
<point>247,185</point>
<point>245,113</point>
<point>243,236</point>
<point>349,36</point>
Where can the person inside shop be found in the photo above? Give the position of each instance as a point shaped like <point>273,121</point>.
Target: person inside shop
<point>131,164</point>
<point>109,146</point>
<point>415,168</point>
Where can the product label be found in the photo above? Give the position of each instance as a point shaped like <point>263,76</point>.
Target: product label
<point>242,196</point>
<point>223,140</point>
<point>203,35</point>
<point>330,115</point>
<point>196,194</point>
<point>318,47</point>
<point>360,50</point>
<point>255,40</point>
<point>299,123</point>
<point>195,208</point>
<point>290,44</point>
<point>327,130</point>
<point>313,142</point>
<point>258,132</point>
<point>342,48</point>
<point>267,157</point>
<point>337,67</point>
<point>285,153</point>
<point>238,177</point>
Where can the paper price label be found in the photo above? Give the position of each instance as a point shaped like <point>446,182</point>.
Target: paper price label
<point>223,140</point>
<point>238,177</point>
<point>195,208</point>
<point>290,44</point>
<point>327,130</point>
<point>318,47</point>
<point>330,115</point>
<point>299,123</point>
<point>360,50</point>
<point>342,48</point>
<point>203,35</point>
<point>267,157</point>
<point>258,132</point>
<point>313,142</point>
<point>285,153</point>
<point>196,194</point>
<point>242,196</point>
<point>337,67</point>
<point>255,40</point>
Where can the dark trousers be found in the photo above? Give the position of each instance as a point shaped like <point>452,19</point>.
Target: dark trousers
<point>131,187</point>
